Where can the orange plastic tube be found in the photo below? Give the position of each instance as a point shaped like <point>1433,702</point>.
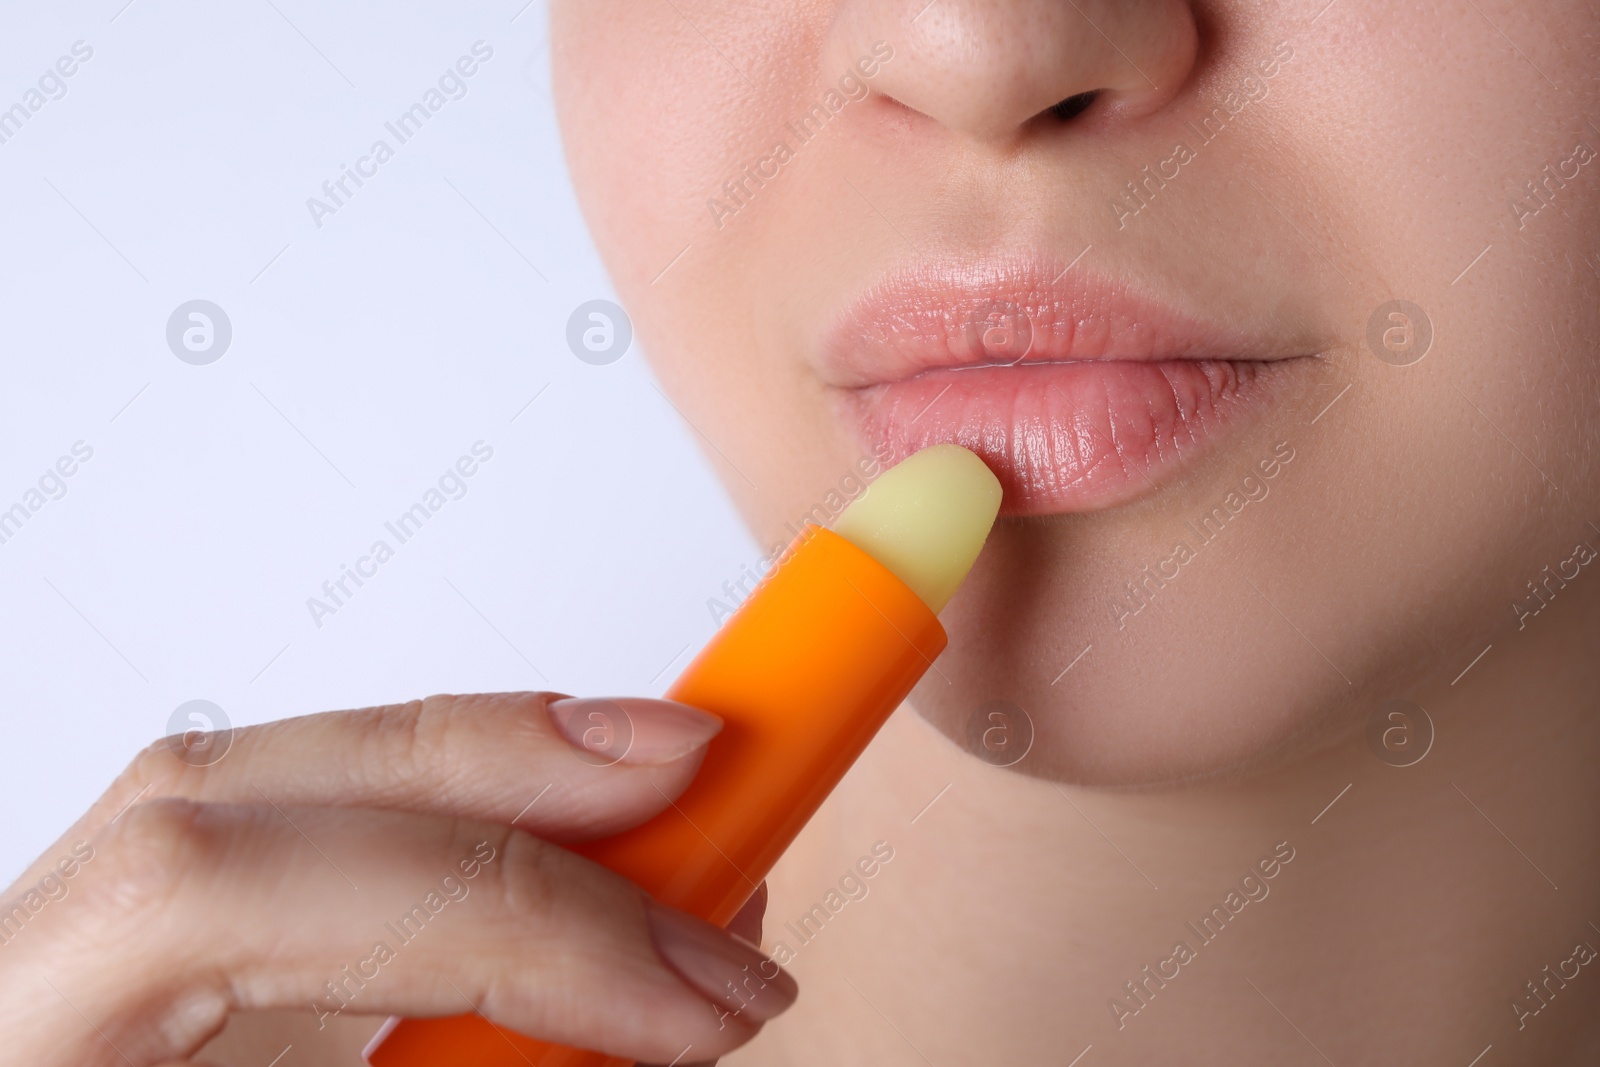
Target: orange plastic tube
<point>803,675</point>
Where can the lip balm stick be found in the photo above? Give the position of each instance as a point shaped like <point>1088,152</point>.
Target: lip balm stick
<point>803,675</point>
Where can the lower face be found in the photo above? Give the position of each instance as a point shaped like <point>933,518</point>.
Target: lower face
<point>1240,512</point>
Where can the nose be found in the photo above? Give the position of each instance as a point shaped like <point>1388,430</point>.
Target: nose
<point>985,69</point>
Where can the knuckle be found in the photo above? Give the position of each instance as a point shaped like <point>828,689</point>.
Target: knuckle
<point>404,750</point>
<point>147,850</point>
<point>411,741</point>
<point>446,741</point>
<point>154,771</point>
<point>392,744</point>
<point>555,895</point>
<point>534,878</point>
<point>438,726</point>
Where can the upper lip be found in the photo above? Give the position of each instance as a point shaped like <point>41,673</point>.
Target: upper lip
<point>962,315</point>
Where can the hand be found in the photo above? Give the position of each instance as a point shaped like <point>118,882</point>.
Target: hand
<point>400,860</point>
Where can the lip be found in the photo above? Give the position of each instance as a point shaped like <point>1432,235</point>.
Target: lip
<point>1079,391</point>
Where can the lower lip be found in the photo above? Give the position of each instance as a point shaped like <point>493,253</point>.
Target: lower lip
<point>1066,437</point>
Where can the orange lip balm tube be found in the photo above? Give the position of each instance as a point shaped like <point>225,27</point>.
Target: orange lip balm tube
<point>803,675</point>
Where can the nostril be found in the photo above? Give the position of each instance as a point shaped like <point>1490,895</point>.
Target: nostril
<point>1073,106</point>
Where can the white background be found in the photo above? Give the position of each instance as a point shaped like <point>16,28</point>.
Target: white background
<point>368,356</point>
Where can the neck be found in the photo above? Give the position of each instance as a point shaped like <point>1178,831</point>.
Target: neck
<point>1339,906</point>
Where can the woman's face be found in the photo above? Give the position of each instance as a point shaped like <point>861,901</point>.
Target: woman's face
<point>1280,341</point>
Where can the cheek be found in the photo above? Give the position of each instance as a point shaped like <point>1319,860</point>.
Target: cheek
<point>1461,475</point>
<point>627,104</point>
<point>655,121</point>
<point>658,110</point>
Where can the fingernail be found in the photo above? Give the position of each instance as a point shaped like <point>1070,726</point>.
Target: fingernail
<point>747,923</point>
<point>632,729</point>
<point>731,973</point>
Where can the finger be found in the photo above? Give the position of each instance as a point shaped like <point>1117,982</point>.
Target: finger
<point>564,769</point>
<point>221,908</point>
<point>747,923</point>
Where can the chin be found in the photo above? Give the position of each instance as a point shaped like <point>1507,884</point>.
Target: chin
<point>1163,702</point>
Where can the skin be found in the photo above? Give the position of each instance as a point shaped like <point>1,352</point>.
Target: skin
<point>1218,722</point>
<point>1220,732</point>
<point>243,886</point>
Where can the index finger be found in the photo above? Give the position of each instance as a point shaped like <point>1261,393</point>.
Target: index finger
<point>564,769</point>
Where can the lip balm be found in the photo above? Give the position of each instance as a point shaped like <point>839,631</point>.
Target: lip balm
<point>803,675</point>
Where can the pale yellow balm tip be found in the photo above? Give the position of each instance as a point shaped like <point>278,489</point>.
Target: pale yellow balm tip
<point>926,519</point>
